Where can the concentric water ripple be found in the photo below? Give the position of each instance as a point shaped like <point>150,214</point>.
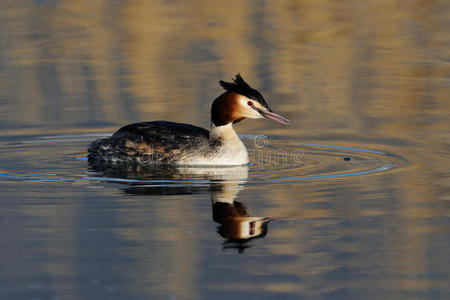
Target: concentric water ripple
<point>62,158</point>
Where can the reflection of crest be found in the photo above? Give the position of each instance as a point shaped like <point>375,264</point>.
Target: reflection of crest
<point>236,226</point>
<point>223,184</point>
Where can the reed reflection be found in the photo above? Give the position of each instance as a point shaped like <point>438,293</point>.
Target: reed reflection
<point>223,184</point>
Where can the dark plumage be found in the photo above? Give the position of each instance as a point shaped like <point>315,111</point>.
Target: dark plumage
<point>152,142</point>
<point>241,87</point>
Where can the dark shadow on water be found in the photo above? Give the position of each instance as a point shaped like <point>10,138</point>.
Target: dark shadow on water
<point>236,226</point>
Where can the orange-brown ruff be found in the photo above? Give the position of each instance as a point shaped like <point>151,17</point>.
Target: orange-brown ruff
<point>163,142</point>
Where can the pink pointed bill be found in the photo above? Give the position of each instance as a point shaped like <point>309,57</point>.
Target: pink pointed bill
<point>273,116</point>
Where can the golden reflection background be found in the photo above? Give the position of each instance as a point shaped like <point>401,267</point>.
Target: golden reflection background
<point>372,74</point>
<point>341,66</point>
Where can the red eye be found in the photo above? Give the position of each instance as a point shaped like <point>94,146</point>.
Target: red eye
<point>250,103</point>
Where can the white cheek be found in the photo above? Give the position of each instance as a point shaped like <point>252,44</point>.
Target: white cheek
<point>247,110</point>
<point>254,114</point>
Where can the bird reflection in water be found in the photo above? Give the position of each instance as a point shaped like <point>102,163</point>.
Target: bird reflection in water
<point>223,184</point>
<point>237,227</point>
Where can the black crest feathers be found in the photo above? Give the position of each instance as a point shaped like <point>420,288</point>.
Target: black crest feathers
<point>241,87</point>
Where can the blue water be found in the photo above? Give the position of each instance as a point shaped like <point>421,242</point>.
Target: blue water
<point>349,202</point>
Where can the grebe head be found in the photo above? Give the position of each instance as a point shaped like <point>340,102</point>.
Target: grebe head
<point>241,101</point>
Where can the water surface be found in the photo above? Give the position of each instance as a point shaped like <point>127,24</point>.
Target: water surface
<point>349,202</point>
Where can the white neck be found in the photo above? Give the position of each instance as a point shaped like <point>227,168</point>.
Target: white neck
<point>226,133</point>
<point>232,150</point>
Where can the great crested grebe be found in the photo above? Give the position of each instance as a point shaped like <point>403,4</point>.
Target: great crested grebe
<point>163,142</point>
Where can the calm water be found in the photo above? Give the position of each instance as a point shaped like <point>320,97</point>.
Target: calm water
<point>352,201</point>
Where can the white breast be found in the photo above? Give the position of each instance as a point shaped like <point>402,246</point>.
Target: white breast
<point>231,152</point>
<point>234,154</point>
